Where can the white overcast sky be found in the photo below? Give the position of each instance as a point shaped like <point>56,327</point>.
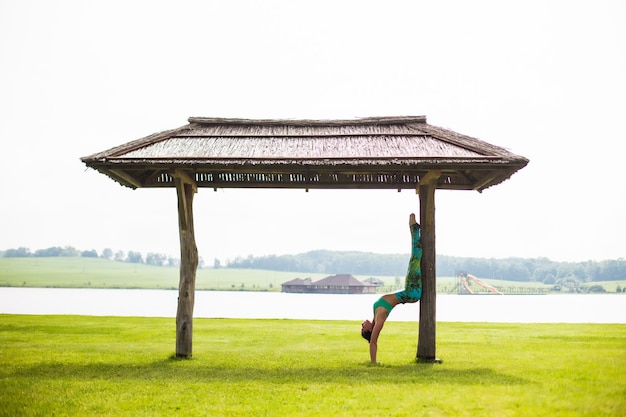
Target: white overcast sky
<point>544,79</point>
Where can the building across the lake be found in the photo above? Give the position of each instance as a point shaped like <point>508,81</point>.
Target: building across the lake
<point>335,284</point>
<point>374,281</point>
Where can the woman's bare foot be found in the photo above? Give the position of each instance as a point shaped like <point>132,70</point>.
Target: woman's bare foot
<point>412,220</point>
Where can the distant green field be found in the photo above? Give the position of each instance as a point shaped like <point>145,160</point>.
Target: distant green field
<point>67,272</point>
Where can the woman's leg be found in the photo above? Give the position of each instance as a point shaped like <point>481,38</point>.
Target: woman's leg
<point>413,282</point>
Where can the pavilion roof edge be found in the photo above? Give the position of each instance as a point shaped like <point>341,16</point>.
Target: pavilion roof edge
<point>309,122</point>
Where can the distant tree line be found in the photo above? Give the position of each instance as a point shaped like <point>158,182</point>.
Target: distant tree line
<point>365,263</point>
<point>156,259</point>
<point>534,269</point>
<point>327,262</point>
<point>509,269</point>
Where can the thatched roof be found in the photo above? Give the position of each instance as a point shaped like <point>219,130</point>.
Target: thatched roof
<point>375,153</point>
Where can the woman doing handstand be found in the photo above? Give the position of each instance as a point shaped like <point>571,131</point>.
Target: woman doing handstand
<point>370,330</point>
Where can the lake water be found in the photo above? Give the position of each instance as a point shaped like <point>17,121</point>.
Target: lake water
<point>570,308</point>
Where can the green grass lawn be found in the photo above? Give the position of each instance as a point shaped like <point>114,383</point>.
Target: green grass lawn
<point>86,366</point>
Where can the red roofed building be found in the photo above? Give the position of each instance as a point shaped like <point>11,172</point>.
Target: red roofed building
<point>335,284</point>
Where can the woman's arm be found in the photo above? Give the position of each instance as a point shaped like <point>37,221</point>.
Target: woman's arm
<point>378,326</point>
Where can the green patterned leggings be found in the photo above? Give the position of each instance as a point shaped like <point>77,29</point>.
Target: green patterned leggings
<point>413,283</point>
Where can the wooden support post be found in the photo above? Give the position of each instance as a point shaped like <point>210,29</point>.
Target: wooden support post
<point>426,343</point>
<point>185,189</point>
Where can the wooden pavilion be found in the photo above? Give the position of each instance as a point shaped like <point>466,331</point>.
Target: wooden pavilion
<point>368,153</point>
